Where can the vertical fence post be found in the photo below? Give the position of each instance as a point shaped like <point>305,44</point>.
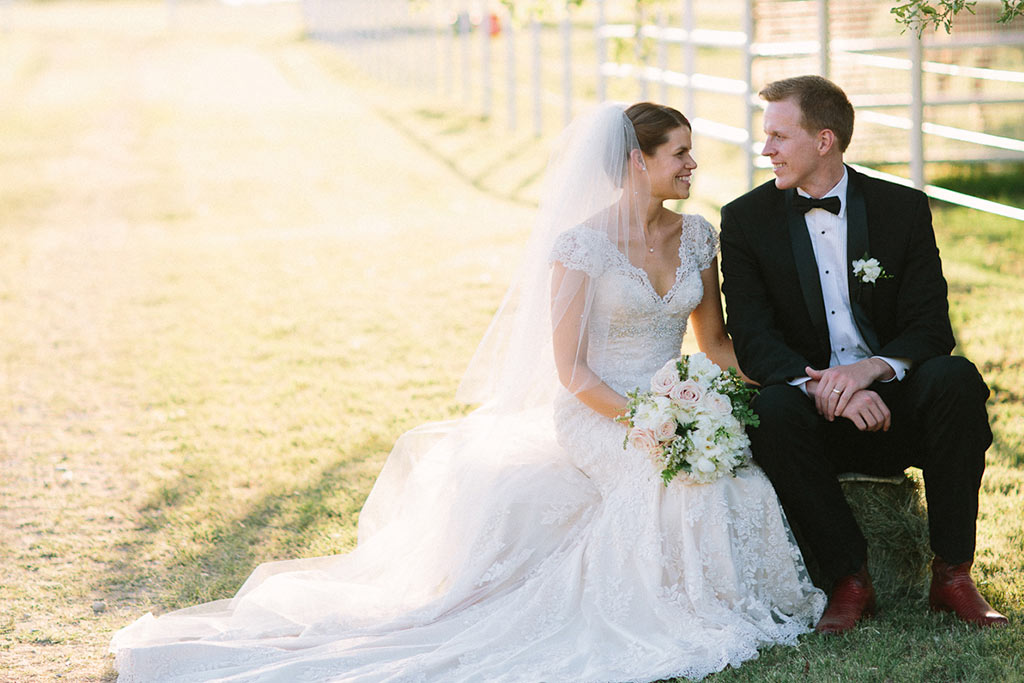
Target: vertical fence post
<point>638,50</point>
<point>537,93</point>
<point>748,77</point>
<point>509,31</point>
<point>916,110</point>
<point>486,86</point>
<point>463,24</point>
<point>566,64</point>
<point>824,40</point>
<point>369,32</point>
<point>448,30</point>
<point>601,51</point>
<point>689,58</point>
<point>662,55</point>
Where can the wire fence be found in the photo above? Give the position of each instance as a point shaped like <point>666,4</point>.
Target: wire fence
<point>923,105</point>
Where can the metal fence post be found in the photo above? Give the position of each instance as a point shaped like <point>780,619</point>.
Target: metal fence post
<point>510,71</point>
<point>689,58</point>
<point>662,54</point>
<point>824,40</point>
<point>916,111</point>
<point>638,50</point>
<point>486,86</point>
<point>748,77</point>
<point>448,66</point>
<point>567,64</point>
<point>463,24</point>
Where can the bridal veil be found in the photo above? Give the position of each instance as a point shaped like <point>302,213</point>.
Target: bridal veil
<point>443,524</point>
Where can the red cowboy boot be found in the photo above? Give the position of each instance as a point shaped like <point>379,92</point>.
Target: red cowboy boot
<point>954,591</point>
<point>852,598</point>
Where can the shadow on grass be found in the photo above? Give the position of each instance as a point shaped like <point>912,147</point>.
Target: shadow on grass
<point>280,524</point>
<point>504,156</point>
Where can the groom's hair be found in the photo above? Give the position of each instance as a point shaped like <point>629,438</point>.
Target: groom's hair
<point>823,104</point>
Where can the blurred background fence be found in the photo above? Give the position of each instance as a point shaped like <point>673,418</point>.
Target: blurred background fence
<point>934,112</point>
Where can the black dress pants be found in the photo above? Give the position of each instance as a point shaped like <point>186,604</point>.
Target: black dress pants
<point>939,423</point>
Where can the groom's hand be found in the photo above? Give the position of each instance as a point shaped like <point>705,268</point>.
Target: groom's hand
<point>868,412</point>
<point>835,387</point>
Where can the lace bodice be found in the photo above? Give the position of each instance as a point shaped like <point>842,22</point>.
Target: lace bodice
<point>632,329</point>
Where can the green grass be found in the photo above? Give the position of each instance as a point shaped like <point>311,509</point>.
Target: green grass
<point>230,282</point>
<point>996,182</point>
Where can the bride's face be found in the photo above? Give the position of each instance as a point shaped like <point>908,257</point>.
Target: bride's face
<point>670,168</point>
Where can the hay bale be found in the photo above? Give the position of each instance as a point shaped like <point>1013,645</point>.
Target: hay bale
<point>893,516</point>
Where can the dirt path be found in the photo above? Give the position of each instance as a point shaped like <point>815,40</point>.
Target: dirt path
<point>161,185</point>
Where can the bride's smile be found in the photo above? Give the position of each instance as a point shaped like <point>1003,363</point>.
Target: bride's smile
<point>671,166</point>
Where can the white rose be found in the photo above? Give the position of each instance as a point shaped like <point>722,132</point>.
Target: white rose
<point>654,411</point>
<point>716,404</point>
<point>705,466</point>
<point>701,367</point>
<point>733,427</point>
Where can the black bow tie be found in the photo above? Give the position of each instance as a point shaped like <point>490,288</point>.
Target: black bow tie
<point>805,204</point>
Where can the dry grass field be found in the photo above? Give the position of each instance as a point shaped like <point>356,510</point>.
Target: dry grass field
<point>220,276</point>
<point>232,271</point>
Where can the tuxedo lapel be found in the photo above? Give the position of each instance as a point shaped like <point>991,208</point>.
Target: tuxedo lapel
<point>807,269</point>
<point>856,247</point>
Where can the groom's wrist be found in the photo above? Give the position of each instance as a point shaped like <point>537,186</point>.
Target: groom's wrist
<point>883,371</point>
<point>801,383</point>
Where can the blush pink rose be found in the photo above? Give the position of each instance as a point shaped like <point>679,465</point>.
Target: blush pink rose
<point>644,440</point>
<point>665,379</point>
<point>687,393</point>
<point>665,431</point>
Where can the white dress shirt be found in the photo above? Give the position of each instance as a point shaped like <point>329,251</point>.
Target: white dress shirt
<point>828,240</point>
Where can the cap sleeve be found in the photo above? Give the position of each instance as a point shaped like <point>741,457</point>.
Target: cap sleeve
<point>581,249</point>
<point>704,239</point>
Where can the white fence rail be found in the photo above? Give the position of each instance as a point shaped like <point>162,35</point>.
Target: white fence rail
<point>943,99</point>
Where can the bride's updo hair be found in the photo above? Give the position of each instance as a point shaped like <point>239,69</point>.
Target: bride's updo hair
<point>653,122</point>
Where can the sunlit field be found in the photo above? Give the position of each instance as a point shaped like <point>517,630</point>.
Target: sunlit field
<point>233,270</point>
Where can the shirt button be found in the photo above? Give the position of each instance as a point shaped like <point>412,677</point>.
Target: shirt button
<point>822,232</point>
<point>842,348</point>
<point>826,272</point>
<point>833,312</point>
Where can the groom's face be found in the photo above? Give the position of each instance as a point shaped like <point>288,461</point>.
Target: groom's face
<point>794,151</point>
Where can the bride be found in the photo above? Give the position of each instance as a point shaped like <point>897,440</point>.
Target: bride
<point>526,542</point>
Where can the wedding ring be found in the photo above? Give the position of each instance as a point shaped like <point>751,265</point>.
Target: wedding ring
<point>837,391</point>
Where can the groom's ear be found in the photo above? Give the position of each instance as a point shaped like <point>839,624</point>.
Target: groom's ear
<point>826,141</point>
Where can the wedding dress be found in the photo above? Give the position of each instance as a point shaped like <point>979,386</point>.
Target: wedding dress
<point>523,544</point>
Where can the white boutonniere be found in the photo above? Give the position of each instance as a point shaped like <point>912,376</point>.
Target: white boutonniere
<point>868,270</point>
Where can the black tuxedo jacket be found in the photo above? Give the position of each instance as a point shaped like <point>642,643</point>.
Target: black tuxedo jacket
<point>775,311</point>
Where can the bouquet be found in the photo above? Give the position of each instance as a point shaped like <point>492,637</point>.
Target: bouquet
<point>693,420</point>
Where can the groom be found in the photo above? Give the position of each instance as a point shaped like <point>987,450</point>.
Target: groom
<point>837,306</point>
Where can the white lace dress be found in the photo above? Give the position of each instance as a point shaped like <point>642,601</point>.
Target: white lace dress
<point>564,559</point>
